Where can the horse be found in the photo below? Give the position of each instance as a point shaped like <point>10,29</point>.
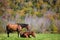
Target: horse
<point>16,27</point>
<point>27,34</point>
<point>13,27</point>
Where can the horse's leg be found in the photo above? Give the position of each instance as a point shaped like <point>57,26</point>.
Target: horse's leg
<point>8,34</point>
<point>7,31</point>
<point>19,29</point>
<point>18,34</point>
<point>29,36</point>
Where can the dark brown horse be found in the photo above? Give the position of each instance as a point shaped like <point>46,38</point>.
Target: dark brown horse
<point>16,27</point>
<point>27,34</point>
<point>13,27</point>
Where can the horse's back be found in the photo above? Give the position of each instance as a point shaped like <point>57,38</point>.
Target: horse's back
<point>12,26</point>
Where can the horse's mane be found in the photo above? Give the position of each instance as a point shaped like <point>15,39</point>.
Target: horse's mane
<point>22,24</point>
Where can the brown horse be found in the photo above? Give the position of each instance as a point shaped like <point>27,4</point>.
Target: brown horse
<point>16,27</point>
<point>27,34</point>
<point>13,27</point>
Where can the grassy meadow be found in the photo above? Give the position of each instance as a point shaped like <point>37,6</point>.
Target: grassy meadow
<point>38,37</point>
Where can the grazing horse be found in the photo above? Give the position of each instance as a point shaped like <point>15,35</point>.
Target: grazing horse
<point>24,26</point>
<point>13,27</point>
<point>27,34</point>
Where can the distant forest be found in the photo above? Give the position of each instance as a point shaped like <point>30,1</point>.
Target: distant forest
<point>43,16</point>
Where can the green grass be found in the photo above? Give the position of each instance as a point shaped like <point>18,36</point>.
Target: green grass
<point>38,37</point>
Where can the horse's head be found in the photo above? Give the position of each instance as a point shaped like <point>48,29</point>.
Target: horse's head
<point>32,33</point>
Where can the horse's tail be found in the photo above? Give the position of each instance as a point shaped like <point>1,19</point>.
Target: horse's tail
<point>7,28</point>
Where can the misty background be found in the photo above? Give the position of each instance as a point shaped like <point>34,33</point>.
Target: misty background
<point>43,16</point>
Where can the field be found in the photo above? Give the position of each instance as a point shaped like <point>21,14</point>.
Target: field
<point>38,37</point>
